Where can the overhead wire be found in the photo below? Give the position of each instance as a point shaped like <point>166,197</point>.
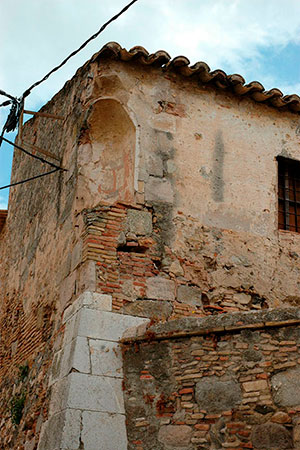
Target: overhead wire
<point>33,155</point>
<point>94,36</point>
<point>17,104</point>
<point>28,179</point>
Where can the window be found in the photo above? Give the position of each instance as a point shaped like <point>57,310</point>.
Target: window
<point>288,194</point>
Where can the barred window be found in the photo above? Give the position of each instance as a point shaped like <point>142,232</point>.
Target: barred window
<point>288,194</point>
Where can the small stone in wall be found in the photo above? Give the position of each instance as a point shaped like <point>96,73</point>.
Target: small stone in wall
<point>175,436</point>
<point>269,436</point>
<point>160,288</point>
<point>149,308</point>
<point>281,417</point>
<point>241,298</point>
<point>139,222</point>
<point>191,295</point>
<point>214,395</point>
<point>176,268</point>
<point>252,355</point>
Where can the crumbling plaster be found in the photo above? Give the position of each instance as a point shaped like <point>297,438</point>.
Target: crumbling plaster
<point>201,162</point>
<point>212,158</point>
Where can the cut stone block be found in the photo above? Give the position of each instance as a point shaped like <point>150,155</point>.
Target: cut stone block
<point>75,355</point>
<point>61,431</point>
<point>139,222</point>
<point>88,392</point>
<point>103,431</point>
<point>92,300</point>
<point>155,165</point>
<point>257,385</point>
<point>160,288</point>
<point>159,190</point>
<point>104,325</point>
<point>190,295</point>
<point>149,308</point>
<point>87,276</point>
<point>106,358</point>
<point>76,255</point>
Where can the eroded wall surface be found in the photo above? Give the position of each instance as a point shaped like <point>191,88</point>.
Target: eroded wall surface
<point>168,204</point>
<point>214,384</point>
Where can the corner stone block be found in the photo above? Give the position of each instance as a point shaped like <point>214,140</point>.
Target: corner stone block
<point>75,355</point>
<point>76,255</point>
<point>103,431</point>
<point>105,325</point>
<point>61,431</point>
<point>92,300</point>
<point>160,288</point>
<point>87,276</point>
<point>87,392</point>
<point>106,358</point>
<point>67,290</point>
<point>159,190</point>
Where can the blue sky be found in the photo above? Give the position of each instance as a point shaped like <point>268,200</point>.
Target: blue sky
<point>258,39</point>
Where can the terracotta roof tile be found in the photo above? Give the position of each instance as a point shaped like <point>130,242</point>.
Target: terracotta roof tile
<point>200,71</point>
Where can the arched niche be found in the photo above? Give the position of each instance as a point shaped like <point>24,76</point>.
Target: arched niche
<point>113,138</point>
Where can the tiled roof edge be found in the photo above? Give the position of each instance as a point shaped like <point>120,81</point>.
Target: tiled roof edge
<point>200,71</point>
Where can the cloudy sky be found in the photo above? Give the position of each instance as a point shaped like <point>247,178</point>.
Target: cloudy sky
<point>260,39</point>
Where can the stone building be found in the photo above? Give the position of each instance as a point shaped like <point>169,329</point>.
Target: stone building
<point>149,293</point>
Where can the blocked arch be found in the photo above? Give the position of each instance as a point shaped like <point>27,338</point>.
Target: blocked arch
<point>113,139</point>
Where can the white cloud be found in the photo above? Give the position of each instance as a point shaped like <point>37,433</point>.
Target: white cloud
<point>228,34</point>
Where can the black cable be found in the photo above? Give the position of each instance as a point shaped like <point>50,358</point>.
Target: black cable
<point>27,92</point>
<point>17,103</point>
<point>8,95</point>
<point>6,103</point>
<point>33,156</point>
<point>29,179</point>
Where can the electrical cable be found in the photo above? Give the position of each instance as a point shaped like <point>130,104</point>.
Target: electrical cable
<point>33,156</point>
<point>17,104</point>
<point>27,92</point>
<point>28,179</point>
<point>8,95</point>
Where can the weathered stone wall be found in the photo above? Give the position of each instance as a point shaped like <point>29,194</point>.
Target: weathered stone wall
<point>36,253</point>
<point>151,210</point>
<point>217,383</point>
<point>205,163</point>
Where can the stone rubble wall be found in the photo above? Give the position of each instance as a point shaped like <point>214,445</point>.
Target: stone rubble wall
<point>222,382</point>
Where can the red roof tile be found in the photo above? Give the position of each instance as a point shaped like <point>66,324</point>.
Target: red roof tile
<point>218,78</point>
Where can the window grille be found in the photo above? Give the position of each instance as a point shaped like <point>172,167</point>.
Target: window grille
<point>288,194</point>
